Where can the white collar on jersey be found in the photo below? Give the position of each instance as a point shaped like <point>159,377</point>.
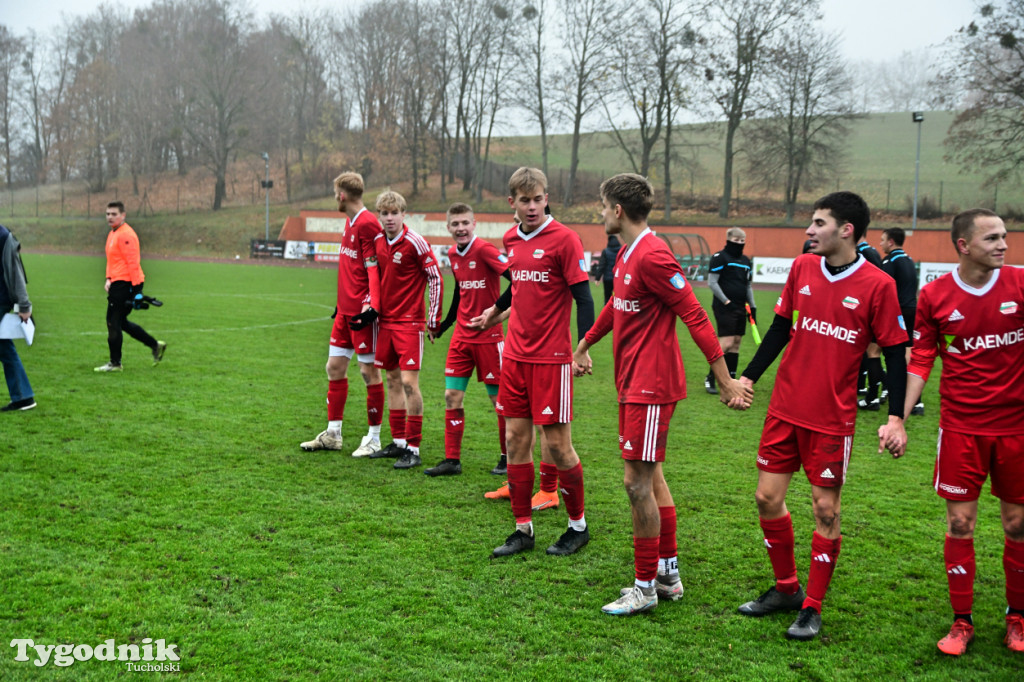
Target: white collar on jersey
<point>524,236</point>
<point>358,213</point>
<point>469,245</point>
<point>647,231</point>
<point>392,242</point>
<point>845,273</point>
<point>972,290</point>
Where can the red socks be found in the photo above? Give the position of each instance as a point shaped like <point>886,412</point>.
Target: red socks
<point>414,429</point>
<point>337,394</point>
<point>960,569</point>
<point>824,553</point>
<point>645,558</point>
<point>520,490</point>
<point>667,540</point>
<point>375,404</point>
<point>454,427</point>
<point>548,477</point>
<point>571,481</point>
<point>1013,565</point>
<point>778,538</point>
<point>396,420</point>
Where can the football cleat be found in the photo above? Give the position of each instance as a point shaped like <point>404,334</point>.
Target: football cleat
<point>325,440</point>
<point>709,385</point>
<point>960,635</point>
<point>446,467</point>
<point>158,352</point>
<point>869,405</point>
<point>918,410</point>
<point>1014,639</point>
<point>408,460</point>
<point>499,494</point>
<point>367,446</point>
<point>884,395</point>
<point>514,544</point>
<point>390,450</point>
<point>806,626</point>
<point>501,468</point>
<point>109,367</point>
<point>571,542</point>
<point>773,600</point>
<point>667,588</point>
<point>632,600</point>
<point>543,500</point>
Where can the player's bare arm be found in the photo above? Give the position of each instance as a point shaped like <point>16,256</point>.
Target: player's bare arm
<point>892,436</point>
<point>581,362</point>
<point>732,392</point>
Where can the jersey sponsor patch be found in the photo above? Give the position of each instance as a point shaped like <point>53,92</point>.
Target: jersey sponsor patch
<point>678,281</point>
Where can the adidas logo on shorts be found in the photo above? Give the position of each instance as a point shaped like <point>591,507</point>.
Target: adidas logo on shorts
<point>627,446</point>
<point>546,410</point>
<point>827,473</point>
<point>490,375</point>
<point>411,362</point>
<point>362,346</point>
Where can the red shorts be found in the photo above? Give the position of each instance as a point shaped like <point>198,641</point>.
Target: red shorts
<point>485,357</point>
<point>399,349</point>
<point>964,461</point>
<point>643,431</point>
<point>786,447</point>
<point>539,392</point>
<point>364,341</point>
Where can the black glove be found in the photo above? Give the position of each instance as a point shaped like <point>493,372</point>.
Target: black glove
<point>363,319</point>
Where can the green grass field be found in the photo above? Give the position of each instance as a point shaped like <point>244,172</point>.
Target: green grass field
<point>173,502</point>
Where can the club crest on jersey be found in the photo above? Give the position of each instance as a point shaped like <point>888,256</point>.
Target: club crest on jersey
<point>851,303</point>
<point>398,257</point>
<point>472,265</point>
<point>1008,308</point>
<point>678,281</point>
<point>627,279</point>
<point>539,253</point>
<point>583,265</point>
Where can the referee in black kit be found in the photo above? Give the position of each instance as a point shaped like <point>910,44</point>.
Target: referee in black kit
<point>898,265</point>
<point>729,280</point>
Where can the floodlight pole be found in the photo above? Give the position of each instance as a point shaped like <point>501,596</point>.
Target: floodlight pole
<point>266,186</point>
<point>918,118</point>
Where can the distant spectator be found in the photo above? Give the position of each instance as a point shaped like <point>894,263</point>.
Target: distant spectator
<point>13,293</point>
<point>606,265</point>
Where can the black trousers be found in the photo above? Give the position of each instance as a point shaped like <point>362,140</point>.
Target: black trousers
<point>118,308</point>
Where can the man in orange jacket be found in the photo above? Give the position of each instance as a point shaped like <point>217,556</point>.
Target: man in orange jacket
<point>124,281</point>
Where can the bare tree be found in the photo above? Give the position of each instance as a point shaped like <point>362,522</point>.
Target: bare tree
<point>421,75</point>
<point>746,31</point>
<point>986,82</point>
<point>535,66</point>
<point>11,53</point>
<point>808,106</point>
<point>589,28</point>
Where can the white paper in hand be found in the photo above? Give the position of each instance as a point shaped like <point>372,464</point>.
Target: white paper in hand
<point>12,327</point>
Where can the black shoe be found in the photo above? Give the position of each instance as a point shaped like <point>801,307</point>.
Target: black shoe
<point>514,544</point>
<point>869,405</point>
<point>918,410</point>
<point>883,397</point>
<point>502,468</point>
<point>447,467</point>
<point>24,404</point>
<point>773,600</point>
<point>408,460</point>
<point>709,385</point>
<point>390,450</point>
<point>806,625</point>
<point>570,542</point>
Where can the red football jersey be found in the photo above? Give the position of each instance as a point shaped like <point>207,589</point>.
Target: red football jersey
<point>477,273</point>
<point>650,291</point>
<point>834,319</point>
<point>407,267</point>
<point>543,265</point>
<point>979,333</point>
<point>356,248</point>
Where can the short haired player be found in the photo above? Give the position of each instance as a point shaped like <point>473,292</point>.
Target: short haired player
<point>973,319</point>
<point>650,291</point>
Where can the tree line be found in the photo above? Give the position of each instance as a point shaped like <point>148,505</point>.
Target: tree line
<point>422,86</point>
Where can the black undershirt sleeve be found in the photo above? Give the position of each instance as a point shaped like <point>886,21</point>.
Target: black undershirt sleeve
<point>775,340</point>
<point>504,301</point>
<point>453,311</point>
<point>896,377</point>
<point>584,307</point>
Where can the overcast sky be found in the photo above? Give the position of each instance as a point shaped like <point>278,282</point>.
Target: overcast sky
<point>877,30</point>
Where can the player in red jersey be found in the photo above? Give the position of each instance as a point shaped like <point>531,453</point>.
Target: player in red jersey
<point>973,318</point>
<point>649,292</point>
<point>408,266</point>
<point>359,299</point>
<point>477,267</point>
<point>548,273</point>
<point>833,304</point>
